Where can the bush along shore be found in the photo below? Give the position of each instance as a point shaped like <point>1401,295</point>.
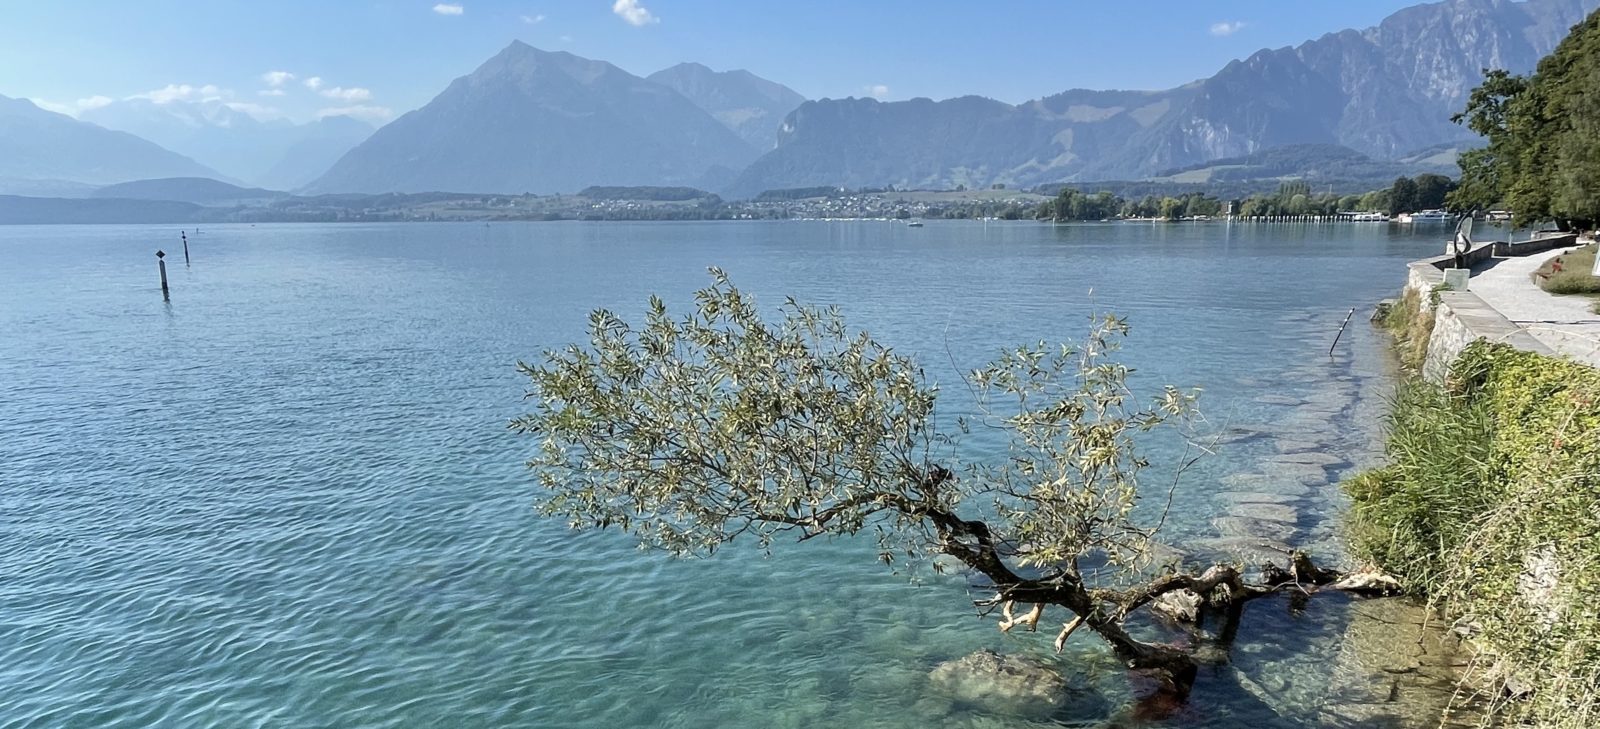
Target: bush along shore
<point>1489,508</point>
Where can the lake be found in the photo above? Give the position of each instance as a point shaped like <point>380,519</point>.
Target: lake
<point>288,497</point>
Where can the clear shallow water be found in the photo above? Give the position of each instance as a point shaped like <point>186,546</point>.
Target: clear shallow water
<point>288,497</point>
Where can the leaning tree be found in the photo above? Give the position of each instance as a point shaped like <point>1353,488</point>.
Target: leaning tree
<point>692,432</point>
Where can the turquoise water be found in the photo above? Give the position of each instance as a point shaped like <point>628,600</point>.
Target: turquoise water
<point>289,498</point>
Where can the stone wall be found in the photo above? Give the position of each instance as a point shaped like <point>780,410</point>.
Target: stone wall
<point>1460,317</point>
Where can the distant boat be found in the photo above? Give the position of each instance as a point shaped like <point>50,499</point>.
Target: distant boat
<point>1368,217</point>
<point>914,224</point>
<point>1425,216</point>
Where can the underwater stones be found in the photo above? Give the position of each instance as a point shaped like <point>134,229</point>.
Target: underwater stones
<point>1285,445</point>
<point>1397,666</point>
<point>1159,553</point>
<point>1260,482</point>
<point>1248,481</point>
<point>1234,435</point>
<point>1307,474</point>
<point>1251,550</point>
<point>1231,498</point>
<point>1241,526</point>
<point>1315,458</point>
<point>1266,512</point>
<point>1002,682</point>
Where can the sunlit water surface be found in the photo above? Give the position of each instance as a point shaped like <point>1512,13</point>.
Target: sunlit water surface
<point>289,497</point>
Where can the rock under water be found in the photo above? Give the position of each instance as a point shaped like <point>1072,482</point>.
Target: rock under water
<point>1004,683</point>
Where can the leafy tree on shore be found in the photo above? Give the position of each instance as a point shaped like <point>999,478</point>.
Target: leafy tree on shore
<point>1403,196</point>
<point>1543,132</point>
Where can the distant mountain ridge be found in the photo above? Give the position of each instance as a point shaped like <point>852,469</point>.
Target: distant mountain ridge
<point>536,121</point>
<point>751,106</point>
<point>528,120</point>
<point>275,153</point>
<point>196,190</point>
<point>1384,91</point>
<point>58,151</point>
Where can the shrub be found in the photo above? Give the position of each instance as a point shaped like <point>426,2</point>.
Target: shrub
<point>1490,506</point>
<point>1411,323</point>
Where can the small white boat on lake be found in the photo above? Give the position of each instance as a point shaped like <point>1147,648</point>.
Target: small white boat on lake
<point>1425,216</point>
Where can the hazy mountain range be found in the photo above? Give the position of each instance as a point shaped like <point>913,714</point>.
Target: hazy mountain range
<point>1385,91</point>
<point>535,121</point>
<point>43,150</point>
<point>529,120</point>
<point>751,106</point>
<point>277,153</point>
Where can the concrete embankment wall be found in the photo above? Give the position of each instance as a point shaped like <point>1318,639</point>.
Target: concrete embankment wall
<point>1460,317</point>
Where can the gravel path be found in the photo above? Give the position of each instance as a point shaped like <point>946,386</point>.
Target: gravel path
<point>1566,324</point>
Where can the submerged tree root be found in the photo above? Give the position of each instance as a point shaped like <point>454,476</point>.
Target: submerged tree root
<point>1179,597</point>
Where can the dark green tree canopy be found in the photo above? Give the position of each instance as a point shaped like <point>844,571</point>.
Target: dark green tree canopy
<point>1543,133</point>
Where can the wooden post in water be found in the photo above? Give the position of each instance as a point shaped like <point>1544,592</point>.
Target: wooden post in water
<point>1341,331</point>
<point>162,264</point>
<point>185,248</point>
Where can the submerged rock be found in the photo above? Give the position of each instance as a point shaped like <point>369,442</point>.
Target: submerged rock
<point>1240,526</point>
<point>1250,550</point>
<point>1002,683</point>
<point>1286,445</point>
<point>1311,457</point>
<point>1266,512</point>
<point>1398,666</point>
<point>1254,497</point>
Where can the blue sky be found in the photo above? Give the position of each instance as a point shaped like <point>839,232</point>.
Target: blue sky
<point>385,57</point>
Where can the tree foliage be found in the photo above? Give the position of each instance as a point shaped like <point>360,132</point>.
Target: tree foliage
<point>1543,133</point>
<point>691,432</point>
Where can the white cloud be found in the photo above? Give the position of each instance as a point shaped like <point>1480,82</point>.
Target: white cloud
<point>94,102</point>
<point>533,19</point>
<point>1226,28</point>
<point>350,95</point>
<point>181,92</point>
<point>360,111</point>
<point>276,78</point>
<point>449,9</point>
<point>57,107</point>
<point>878,91</point>
<point>271,92</point>
<point>566,39</point>
<point>633,13</point>
<point>313,83</point>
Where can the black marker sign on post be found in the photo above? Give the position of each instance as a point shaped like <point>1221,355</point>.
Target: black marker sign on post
<point>162,264</point>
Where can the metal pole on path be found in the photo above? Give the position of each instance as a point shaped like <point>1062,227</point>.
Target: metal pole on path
<point>1341,331</point>
<point>162,264</point>
<point>185,248</point>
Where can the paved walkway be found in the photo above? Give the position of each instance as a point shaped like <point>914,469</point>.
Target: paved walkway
<point>1566,324</point>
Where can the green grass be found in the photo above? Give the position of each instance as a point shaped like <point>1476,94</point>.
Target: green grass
<point>1411,323</point>
<point>1570,273</point>
<point>1487,477</point>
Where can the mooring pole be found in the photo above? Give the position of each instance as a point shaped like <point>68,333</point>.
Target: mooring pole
<point>162,264</point>
<point>1341,331</point>
<point>185,248</point>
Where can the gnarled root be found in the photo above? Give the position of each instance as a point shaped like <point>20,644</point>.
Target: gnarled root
<point>1066,632</point>
<point>1303,573</point>
<point>1031,619</point>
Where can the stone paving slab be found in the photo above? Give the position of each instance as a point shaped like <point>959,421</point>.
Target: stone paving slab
<point>1565,324</point>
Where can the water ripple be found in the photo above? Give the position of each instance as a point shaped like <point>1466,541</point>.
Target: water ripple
<point>288,498</point>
